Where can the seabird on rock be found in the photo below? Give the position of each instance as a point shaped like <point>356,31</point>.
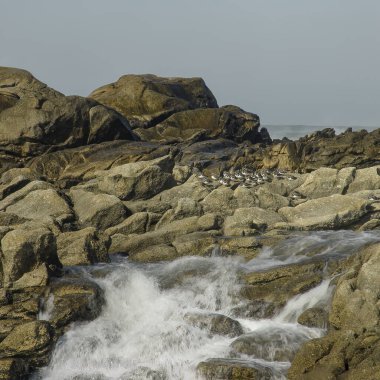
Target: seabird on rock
<point>206,181</point>
<point>246,172</point>
<point>373,197</point>
<point>296,195</point>
<point>278,176</point>
<point>224,182</point>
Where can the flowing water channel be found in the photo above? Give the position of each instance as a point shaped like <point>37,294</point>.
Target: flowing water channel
<point>144,331</point>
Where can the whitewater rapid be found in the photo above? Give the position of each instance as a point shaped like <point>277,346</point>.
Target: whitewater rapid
<point>143,332</point>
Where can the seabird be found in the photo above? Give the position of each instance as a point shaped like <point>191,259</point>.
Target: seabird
<point>296,195</point>
<point>206,181</point>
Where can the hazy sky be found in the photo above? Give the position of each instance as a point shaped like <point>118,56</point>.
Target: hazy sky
<point>290,61</point>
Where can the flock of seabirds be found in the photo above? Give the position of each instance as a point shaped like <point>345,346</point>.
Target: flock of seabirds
<point>249,178</point>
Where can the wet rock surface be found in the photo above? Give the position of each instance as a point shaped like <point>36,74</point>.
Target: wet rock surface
<point>153,169</point>
<point>216,324</point>
<point>231,369</point>
<point>276,286</point>
<point>350,349</point>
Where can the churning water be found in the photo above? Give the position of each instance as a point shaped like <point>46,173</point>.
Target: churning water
<point>143,331</point>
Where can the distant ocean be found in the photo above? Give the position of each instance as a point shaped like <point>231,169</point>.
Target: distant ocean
<point>296,131</point>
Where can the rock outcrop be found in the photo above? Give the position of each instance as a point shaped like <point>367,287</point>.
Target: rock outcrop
<point>226,122</point>
<point>330,212</point>
<point>83,247</point>
<point>146,100</point>
<point>152,168</point>
<point>28,257</point>
<point>35,118</point>
<point>231,369</point>
<point>351,348</point>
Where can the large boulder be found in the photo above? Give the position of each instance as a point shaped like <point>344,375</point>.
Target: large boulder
<point>138,223</point>
<point>166,235</point>
<point>53,121</point>
<point>268,200</point>
<point>197,243</point>
<point>366,179</point>
<point>186,207</point>
<point>97,210</point>
<point>215,155</point>
<point>146,100</point>
<point>228,122</point>
<point>136,180</point>
<point>40,205</point>
<point>351,349</point>
<point>282,155</point>
<point>331,212</point>
<point>192,188</point>
<point>14,173</point>
<point>250,220</point>
<point>354,304</point>
<point>246,246</point>
<point>70,166</point>
<point>349,355</point>
<point>272,288</point>
<point>32,341</point>
<point>87,246</point>
<point>20,194</point>
<point>28,250</point>
<point>327,181</point>
<point>73,299</point>
<point>220,200</point>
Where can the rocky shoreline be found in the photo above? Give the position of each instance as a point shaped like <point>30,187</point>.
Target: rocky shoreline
<point>137,169</point>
